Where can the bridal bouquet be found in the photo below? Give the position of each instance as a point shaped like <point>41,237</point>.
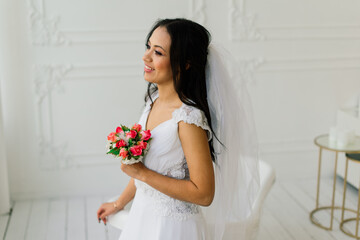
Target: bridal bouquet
<point>131,144</point>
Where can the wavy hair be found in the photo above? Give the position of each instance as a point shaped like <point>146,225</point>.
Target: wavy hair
<point>188,58</point>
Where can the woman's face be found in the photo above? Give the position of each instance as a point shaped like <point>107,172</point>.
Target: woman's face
<point>156,58</point>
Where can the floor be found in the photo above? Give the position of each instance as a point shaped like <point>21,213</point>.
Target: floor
<point>285,214</point>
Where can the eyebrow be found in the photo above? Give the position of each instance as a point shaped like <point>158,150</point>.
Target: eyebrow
<point>158,46</point>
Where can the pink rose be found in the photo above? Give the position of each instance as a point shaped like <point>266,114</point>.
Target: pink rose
<point>123,153</point>
<point>145,135</point>
<point>131,134</point>
<point>112,137</point>
<point>119,130</point>
<point>142,144</point>
<point>121,143</point>
<point>137,127</point>
<point>136,150</point>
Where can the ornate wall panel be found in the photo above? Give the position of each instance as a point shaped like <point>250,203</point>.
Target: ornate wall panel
<point>45,29</point>
<point>243,26</point>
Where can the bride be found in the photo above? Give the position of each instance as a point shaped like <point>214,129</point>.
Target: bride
<point>194,177</point>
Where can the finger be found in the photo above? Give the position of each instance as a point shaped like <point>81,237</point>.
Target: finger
<point>103,218</point>
<point>100,209</point>
<point>99,212</point>
<point>103,215</point>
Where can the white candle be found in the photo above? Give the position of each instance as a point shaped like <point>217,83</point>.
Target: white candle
<point>342,139</point>
<point>333,134</point>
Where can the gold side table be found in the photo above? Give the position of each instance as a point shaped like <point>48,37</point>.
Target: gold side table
<point>356,159</point>
<point>323,143</point>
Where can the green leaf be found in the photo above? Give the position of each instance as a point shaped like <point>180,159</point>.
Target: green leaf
<point>124,128</point>
<point>114,151</point>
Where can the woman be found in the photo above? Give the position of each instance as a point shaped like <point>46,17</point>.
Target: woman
<point>177,176</point>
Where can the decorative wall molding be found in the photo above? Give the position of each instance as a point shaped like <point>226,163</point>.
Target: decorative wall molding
<point>105,71</point>
<point>45,30</point>
<point>315,32</point>
<point>248,68</point>
<point>50,78</point>
<point>287,146</point>
<point>105,36</point>
<point>243,27</point>
<point>53,156</point>
<point>197,11</point>
<point>310,64</point>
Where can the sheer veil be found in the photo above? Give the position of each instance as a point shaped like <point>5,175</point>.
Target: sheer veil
<point>236,165</point>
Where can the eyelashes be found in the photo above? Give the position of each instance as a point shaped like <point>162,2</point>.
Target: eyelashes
<point>147,46</point>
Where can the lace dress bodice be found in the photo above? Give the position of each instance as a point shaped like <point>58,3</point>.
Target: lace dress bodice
<point>165,156</point>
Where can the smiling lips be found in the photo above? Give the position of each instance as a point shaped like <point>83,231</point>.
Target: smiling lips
<point>148,69</point>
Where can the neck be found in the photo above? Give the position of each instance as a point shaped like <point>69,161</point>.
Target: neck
<point>168,95</point>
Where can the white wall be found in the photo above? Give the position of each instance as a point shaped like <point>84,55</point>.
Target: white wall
<point>68,62</point>
<point>4,183</point>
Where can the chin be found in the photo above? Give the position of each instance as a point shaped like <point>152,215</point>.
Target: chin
<point>149,80</point>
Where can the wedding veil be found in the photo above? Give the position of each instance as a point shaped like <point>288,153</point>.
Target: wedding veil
<point>236,165</point>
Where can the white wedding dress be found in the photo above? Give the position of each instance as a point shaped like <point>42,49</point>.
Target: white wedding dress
<point>154,215</point>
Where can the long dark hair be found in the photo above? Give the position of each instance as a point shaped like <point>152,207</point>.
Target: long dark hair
<point>188,57</point>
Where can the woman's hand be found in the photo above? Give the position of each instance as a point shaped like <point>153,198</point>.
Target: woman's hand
<point>135,170</point>
<point>105,210</point>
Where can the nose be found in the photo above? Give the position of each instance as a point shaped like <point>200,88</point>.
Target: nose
<point>147,56</point>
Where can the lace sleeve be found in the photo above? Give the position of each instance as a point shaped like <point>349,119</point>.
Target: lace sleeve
<point>193,115</point>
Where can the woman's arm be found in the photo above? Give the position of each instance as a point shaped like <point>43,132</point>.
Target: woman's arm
<point>200,188</point>
<point>126,196</point>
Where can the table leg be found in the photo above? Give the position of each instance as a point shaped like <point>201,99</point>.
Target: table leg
<point>344,194</point>
<point>333,195</point>
<point>318,179</point>
<point>358,216</point>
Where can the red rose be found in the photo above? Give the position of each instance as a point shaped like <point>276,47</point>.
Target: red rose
<point>137,127</point>
<point>119,130</point>
<point>145,135</point>
<point>136,150</point>
<point>121,143</point>
<point>131,134</point>
<point>123,153</point>
<point>112,137</point>
<point>142,144</point>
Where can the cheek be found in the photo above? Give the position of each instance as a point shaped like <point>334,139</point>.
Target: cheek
<point>162,64</point>
<point>167,68</point>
